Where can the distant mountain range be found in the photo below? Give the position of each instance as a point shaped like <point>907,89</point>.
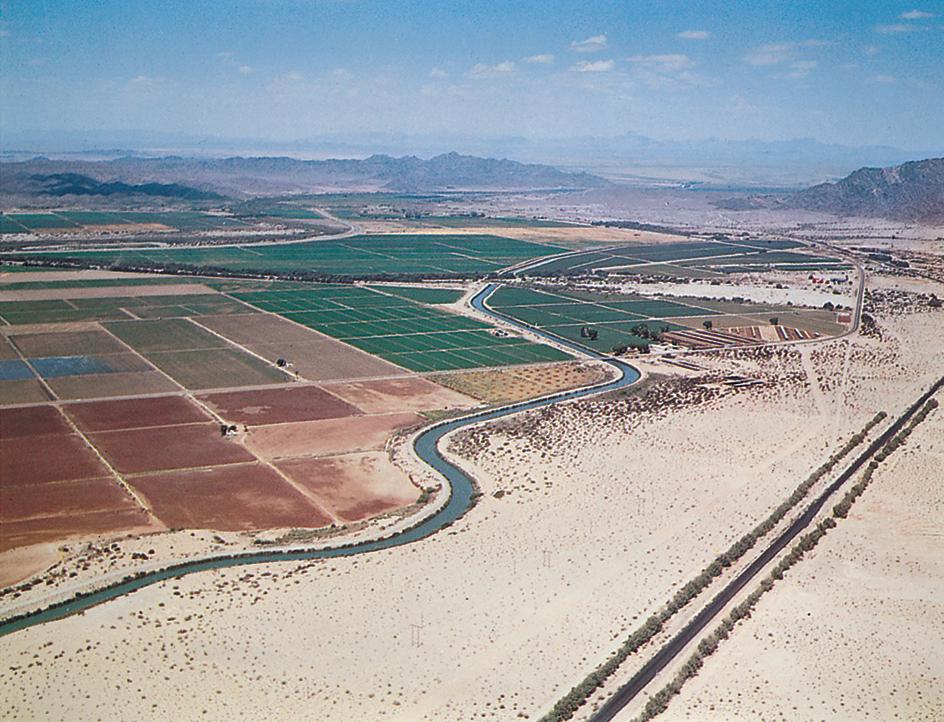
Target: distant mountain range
<point>65,184</point>
<point>908,192</point>
<point>707,163</point>
<point>207,178</point>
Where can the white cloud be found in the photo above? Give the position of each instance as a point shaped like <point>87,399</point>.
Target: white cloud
<point>481,70</point>
<point>590,45</point>
<point>437,73</point>
<point>225,54</point>
<point>293,76</point>
<point>883,79</point>
<point>540,59</point>
<point>693,35</point>
<point>663,63</point>
<point>770,54</point>
<point>245,69</point>
<point>585,66</point>
<point>895,29</point>
<point>915,15</point>
<point>872,50</point>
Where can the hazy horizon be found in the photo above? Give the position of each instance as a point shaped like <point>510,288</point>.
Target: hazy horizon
<point>863,74</point>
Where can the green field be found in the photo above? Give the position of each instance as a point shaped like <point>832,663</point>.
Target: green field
<point>216,368</point>
<point>8,225</point>
<point>399,330</point>
<point>423,295</point>
<point>358,256</point>
<point>40,221</point>
<point>183,220</point>
<point>171,334</point>
<point>93,218</point>
<point>695,258</point>
<point>613,317</point>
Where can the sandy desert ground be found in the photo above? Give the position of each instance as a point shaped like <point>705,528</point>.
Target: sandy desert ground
<point>608,506</point>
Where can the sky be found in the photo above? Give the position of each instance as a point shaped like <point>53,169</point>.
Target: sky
<point>852,73</point>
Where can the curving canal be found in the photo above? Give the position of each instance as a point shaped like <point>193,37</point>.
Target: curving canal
<point>461,489</point>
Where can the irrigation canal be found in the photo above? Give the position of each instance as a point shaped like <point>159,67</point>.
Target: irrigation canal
<point>461,489</point>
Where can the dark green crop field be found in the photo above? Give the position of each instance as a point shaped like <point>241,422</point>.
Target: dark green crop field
<point>400,330</point>
<point>358,256</point>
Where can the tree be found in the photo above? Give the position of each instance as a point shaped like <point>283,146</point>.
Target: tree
<point>707,324</point>
<point>619,349</point>
<point>774,321</point>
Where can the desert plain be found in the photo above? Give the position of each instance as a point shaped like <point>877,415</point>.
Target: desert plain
<point>593,513</point>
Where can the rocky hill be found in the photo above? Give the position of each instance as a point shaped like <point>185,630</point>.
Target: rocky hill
<point>261,176</point>
<point>908,192</point>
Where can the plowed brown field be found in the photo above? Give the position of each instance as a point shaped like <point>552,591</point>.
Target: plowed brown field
<point>354,486</point>
<point>383,396</point>
<point>168,447</point>
<point>277,406</point>
<point>228,498</point>
<point>135,413</point>
<point>331,436</point>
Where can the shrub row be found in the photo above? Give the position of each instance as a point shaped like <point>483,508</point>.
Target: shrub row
<point>707,646</point>
<point>579,694</point>
<point>841,510</point>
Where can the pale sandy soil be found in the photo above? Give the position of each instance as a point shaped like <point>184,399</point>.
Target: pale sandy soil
<point>854,632</point>
<point>609,506</point>
<point>797,289</point>
<point>10,292</point>
<point>14,277</point>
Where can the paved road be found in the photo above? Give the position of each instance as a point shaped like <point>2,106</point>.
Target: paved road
<point>713,609</point>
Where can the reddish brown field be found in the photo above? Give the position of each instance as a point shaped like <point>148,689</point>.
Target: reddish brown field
<point>229,498</point>
<point>405,394</point>
<point>331,436</point>
<point>354,486</point>
<point>135,413</point>
<point>32,421</point>
<point>48,458</point>
<point>277,406</point>
<point>7,352</point>
<point>71,497</point>
<point>36,531</point>
<point>169,447</point>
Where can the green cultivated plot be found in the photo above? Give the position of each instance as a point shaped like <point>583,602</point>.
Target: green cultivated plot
<point>358,256</point>
<point>171,334</point>
<point>692,258</point>
<point>183,221</point>
<point>41,221</point>
<point>291,213</point>
<point>400,330</point>
<point>92,218</point>
<point>423,295</point>
<point>8,225</point>
<point>569,313</point>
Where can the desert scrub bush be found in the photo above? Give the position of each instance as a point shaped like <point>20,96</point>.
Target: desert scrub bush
<point>579,694</point>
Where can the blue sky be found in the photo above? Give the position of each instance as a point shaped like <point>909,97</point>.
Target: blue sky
<point>857,73</point>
